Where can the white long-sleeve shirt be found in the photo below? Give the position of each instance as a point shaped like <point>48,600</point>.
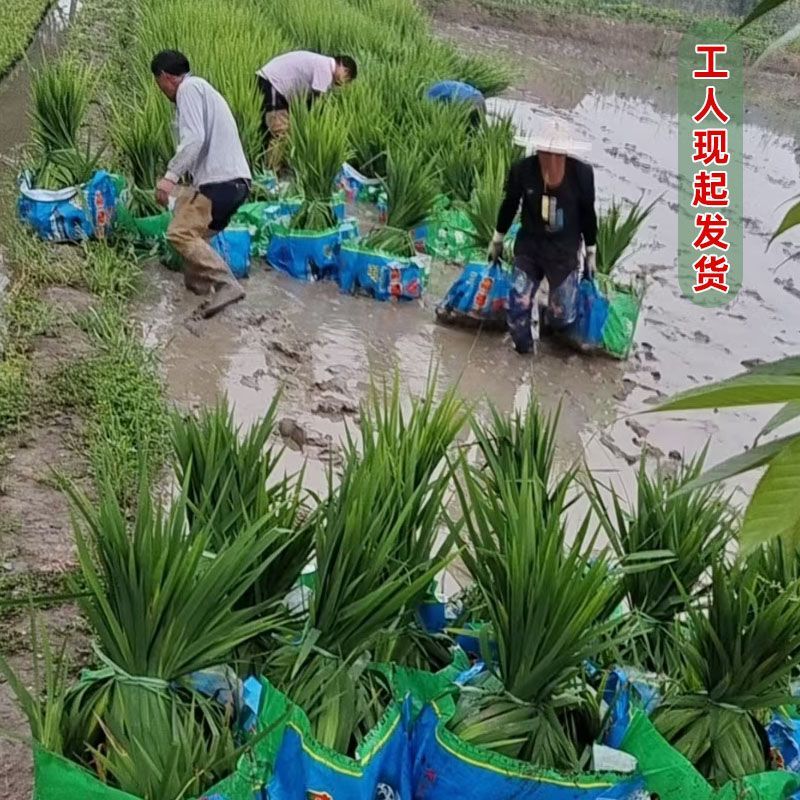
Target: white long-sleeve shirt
<point>292,74</point>
<point>209,148</point>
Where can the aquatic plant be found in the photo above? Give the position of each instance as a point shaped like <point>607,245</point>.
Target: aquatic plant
<point>232,482</point>
<point>545,598</point>
<point>688,529</point>
<point>317,147</point>
<point>376,555</point>
<point>615,233</point>
<point>733,663</point>
<point>411,187</point>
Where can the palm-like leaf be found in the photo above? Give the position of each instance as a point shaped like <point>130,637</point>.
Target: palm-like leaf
<point>375,538</point>
<point>545,600</point>
<point>615,233</point>
<point>411,187</point>
<point>734,662</point>
<point>44,703</point>
<point>231,484</point>
<point>687,531</point>
<point>318,146</point>
<point>159,606</point>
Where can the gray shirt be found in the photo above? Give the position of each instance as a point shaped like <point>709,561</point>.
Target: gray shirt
<point>209,147</point>
<point>301,71</point>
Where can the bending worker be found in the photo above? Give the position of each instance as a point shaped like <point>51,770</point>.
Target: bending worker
<point>458,92</point>
<point>295,74</point>
<point>210,154</point>
<point>557,221</point>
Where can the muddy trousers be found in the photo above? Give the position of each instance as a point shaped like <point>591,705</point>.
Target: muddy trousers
<point>193,225</point>
<point>562,303</point>
<point>275,122</point>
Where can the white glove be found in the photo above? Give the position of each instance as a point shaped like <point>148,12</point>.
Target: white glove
<point>590,262</point>
<point>495,252</point>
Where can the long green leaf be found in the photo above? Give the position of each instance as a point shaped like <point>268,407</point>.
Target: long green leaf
<point>751,459</point>
<point>790,220</point>
<point>749,389</point>
<point>774,510</point>
<point>762,8</point>
<point>789,412</point>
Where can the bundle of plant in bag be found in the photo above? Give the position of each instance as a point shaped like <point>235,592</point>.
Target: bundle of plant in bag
<point>376,555</point>
<point>411,188</point>
<point>61,94</point>
<point>142,140</point>
<point>232,482</point>
<point>615,233</point>
<point>318,146</point>
<point>682,532</point>
<point>544,593</point>
<point>161,605</point>
<point>732,664</point>
<point>487,197</point>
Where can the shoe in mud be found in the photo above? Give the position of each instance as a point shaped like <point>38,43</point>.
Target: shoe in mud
<point>224,296</point>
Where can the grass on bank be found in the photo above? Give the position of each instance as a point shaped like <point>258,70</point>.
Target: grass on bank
<point>119,393</point>
<point>19,20</point>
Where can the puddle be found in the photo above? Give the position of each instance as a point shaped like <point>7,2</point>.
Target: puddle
<point>323,346</point>
<point>315,339</point>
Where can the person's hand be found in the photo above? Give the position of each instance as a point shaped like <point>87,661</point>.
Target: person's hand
<point>164,188</point>
<point>590,262</point>
<point>495,251</point>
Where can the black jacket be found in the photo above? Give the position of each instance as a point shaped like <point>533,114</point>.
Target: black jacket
<point>554,249</point>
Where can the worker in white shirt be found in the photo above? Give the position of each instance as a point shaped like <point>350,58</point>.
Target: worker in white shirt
<point>211,161</point>
<point>295,74</point>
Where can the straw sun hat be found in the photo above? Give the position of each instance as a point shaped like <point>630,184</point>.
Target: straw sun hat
<point>554,136</point>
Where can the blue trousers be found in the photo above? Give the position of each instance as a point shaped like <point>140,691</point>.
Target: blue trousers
<point>562,304</point>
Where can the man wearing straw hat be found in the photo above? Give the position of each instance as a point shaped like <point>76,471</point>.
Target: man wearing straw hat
<point>558,224</point>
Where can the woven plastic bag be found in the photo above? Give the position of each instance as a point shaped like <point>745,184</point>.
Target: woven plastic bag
<point>73,214</point>
<point>309,255</point>
<point>379,275</point>
<point>670,776</point>
<point>253,217</point>
<point>446,767</point>
<point>479,296</point>
<point>624,304</point>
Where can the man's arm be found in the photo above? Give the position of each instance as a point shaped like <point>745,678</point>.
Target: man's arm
<point>588,217</point>
<point>191,133</point>
<point>588,214</point>
<point>511,200</point>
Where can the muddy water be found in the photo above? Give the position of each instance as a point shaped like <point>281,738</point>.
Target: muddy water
<point>322,346</point>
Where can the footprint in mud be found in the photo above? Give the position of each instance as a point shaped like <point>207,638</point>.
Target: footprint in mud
<point>295,352</point>
<point>788,286</point>
<point>335,406</point>
<point>253,381</point>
